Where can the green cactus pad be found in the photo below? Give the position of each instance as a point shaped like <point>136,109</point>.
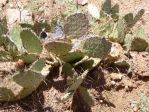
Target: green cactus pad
<point>115,11</point>
<point>76,25</point>
<point>72,57</point>
<point>106,7</point>
<point>119,31</point>
<point>3,28</point>
<point>147,49</point>
<point>139,44</point>
<point>131,20</point>
<point>90,63</point>
<point>138,16</point>
<point>121,28</point>
<point>109,10</point>
<point>14,35</point>
<point>30,41</point>
<point>86,96</point>
<point>2,40</point>
<point>96,47</point>
<point>27,58</point>
<point>38,65</point>
<point>19,85</point>
<point>104,28</point>
<point>77,82</point>
<point>140,41</point>
<point>29,81</point>
<point>127,41</point>
<point>68,70</point>
<point>58,47</point>
<point>140,33</point>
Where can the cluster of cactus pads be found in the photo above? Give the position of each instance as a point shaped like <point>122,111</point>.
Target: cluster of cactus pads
<point>26,58</point>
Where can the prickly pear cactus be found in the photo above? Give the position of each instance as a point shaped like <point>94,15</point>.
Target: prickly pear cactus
<point>77,47</point>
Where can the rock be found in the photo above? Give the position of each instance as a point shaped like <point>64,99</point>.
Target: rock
<point>3,3</point>
<point>116,51</point>
<point>129,86</point>
<point>113,83</point>
<point>116,76</point>
<point>81,2</point>
<point>21,16</point>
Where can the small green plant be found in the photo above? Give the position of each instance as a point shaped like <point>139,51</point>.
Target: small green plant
<point>143,103</point>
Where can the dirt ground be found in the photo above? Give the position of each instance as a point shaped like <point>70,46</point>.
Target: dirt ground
<point>106,100</point>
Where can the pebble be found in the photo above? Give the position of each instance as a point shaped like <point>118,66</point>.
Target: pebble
<point>116,76</point>
<point>113,82</point>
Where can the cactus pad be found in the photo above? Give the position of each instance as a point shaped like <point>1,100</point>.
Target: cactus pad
<point>30,41</point>
<point>76,25</point>
<point>15,84</point>
<point>58,47</point>
<point>95,47</point>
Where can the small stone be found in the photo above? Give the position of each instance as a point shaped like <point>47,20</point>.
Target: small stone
<point>116,76</point>
<point>14,16</point>
<point>3,2</point>
<point>129,86</point>
<point>82,2</point>
<point>135,109</point>
<point>11,6</point>
<point>113,82</point>
<point>101,101</point>
<point>116,51</point>
<point>126,88</point>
